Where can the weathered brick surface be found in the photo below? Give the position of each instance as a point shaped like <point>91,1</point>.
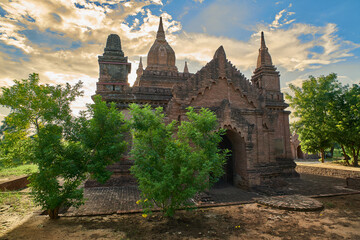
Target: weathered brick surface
<point>253,112</point>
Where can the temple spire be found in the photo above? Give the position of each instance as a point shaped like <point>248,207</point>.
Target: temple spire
<point>263,46</point>
<point>186,70</point>
<point>160,35</point>
<point>264,58</point>
<point>140,69</point>
<point>161,57</point>
<point>140,64</point>
<point>265,75</point>
<point>139,73</point>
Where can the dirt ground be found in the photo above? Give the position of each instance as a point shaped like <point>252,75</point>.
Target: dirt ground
<point>340,219</point>
<point>15,208</point>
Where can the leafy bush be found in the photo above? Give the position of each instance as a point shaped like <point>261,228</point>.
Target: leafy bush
<point>173,163</point>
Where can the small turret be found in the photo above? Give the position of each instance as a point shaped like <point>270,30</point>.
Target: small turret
<point>264,58</point>
<point>139,73</point>
<point>114,66</point>
<point>267,78</point>
<point>186,70</point>
<point>140,69</point>
<point>113,46</point>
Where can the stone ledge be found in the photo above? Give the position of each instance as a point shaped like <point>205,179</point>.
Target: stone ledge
<point>328,171</point>
<point>15,184</point>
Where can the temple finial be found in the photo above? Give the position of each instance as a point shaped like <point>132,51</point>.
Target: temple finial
<point>140,64</point>
<point>140,69</point>
<point>139,73</point>
<point>160,35</point>
<point>186,70</point>
<point>262,41</point>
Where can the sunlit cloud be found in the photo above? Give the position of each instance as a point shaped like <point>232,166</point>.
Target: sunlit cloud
<point>61,40</point>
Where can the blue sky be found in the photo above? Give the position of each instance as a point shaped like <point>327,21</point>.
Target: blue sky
<point>62,39</point>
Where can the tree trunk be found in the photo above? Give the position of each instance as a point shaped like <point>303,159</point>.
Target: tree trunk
<point>332,151</point>
<point>355,157</point>
<point>53,213</point>
<point>322,155</point>
<point>346,157</point>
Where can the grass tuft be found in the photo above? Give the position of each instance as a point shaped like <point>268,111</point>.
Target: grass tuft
<point>16,202</point>
<point>19,170</point>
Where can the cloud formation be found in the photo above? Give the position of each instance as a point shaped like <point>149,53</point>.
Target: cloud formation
<point>62,39</point>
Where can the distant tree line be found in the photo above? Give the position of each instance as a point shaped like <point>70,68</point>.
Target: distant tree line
<point>326,113</point>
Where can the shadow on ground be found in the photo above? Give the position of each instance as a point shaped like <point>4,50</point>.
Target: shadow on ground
<point>339,220</point>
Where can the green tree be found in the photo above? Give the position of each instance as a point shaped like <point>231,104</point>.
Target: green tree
<point>311,108</point>
<point>101,130</point>
<point>345,114</point>
<point>173,163</point>
<point>15,146</point>
<point>64,148</point>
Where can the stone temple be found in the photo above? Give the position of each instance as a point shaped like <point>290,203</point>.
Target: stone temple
<point>253,112</point>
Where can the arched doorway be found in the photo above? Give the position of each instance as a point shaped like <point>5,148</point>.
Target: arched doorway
<point>235,168</point>
<point>228,177</point>
<point>300,154</point>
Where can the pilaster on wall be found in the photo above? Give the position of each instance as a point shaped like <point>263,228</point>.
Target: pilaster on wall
<point>260,155</point>
<point>287,135</point>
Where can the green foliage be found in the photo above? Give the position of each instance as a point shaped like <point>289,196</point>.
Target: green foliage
<point>101,131</point>
<point>345,114</point>
<point>327,112</point>
<point>172,166</point>
<point>61,169</point>
<point>34,104</point>
<point>15,147</point>
<point>337,153</point>
<point>311,105</point>
<point>64,148</point>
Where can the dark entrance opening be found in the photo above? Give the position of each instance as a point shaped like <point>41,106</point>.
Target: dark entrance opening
<point>228,177</point>
<point>300,154</point>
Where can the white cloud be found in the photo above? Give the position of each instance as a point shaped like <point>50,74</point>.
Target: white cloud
<point>282,18</point>
<point>89,25</point>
